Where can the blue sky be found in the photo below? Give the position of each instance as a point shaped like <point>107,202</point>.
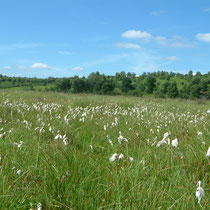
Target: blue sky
<point>63,38</point>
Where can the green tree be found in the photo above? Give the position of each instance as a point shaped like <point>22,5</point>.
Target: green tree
<point>150,84</point>
<point>172,90</point>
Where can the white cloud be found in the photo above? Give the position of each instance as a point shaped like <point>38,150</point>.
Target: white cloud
<point>158,12</point>
<point>7,67</point>
<point>128,45</point>
<point>175,42</point>
<point>133,34</point>
<point>40,66</point>
<point>78,68</point>
<point>171,58</point>
<point>203,37</point>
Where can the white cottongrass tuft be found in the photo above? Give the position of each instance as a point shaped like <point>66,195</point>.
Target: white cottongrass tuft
<point>18,145</point>
<point>199,192</point>
<point>113,157</point>
<point>39,206</point>
<point>130,158</point>
<point>208,153</point>
<point>200,133</point>
<point>18,172</point>
<point>109,140</point>
<point>174,142</point>
<point>121,138</point>
<point>165,140</point>
<point>121,156</point>
<point>58,137</point>
<point>64,137</point>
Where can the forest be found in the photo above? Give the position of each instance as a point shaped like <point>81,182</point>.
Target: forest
<point>159,84</point>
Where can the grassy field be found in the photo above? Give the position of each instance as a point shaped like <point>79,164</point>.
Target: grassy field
<point>55,152</point>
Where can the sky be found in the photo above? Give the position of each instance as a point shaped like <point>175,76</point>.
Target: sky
<point>63,38</point>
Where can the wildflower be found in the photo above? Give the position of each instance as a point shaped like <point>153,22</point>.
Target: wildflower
<point>18,145</point>
<point>113,157</point>
<point>110,141</point>
<point>39,206</point>
<point>200,133</point>
<point>208,153</point>
<point>91,148</point>
<point>18,172</point>
<point>121,138</point>
<point>58,137</point>
<point>199,192</point>
<point>175,142</point>
<point>130,158</point>
<point>65,140</point>
<point>165,140</point>
<point>121,156</point>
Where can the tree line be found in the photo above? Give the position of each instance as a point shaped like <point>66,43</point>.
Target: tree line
<point>160,84</point>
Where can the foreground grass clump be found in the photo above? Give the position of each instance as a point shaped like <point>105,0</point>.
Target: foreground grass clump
<point>55,150</point>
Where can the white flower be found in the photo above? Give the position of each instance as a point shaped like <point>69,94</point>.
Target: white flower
<point>121,156</point>
<point>199,192</point>
<point>18,172</point>
<point>18,145</point>
<point>130,158</point>
<point>110,141</point>
<point>167,134</point>
<point>39,206</point>
<point>121,138</point>
<point>208,153</point>
<point>65,141</point>
<point>113,157</point>
<point>58,137</point>
<point>200,133</point>
<point>175,142</point>
<point>165,140</point>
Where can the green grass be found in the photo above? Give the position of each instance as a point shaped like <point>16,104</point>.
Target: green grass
<point>74,176</point>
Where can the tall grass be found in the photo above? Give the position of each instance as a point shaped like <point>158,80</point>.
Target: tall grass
<point>79,175</point>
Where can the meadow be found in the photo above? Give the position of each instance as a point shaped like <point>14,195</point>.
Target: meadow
<point>64,151</point>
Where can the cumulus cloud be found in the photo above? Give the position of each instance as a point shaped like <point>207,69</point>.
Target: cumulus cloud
<point>40,66</point>
<point>78,68</point>
<point>171,58</point>
<point>203,37</point>
<point>133,34</point>
<point>175,41</point>
<point>128,45</point>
